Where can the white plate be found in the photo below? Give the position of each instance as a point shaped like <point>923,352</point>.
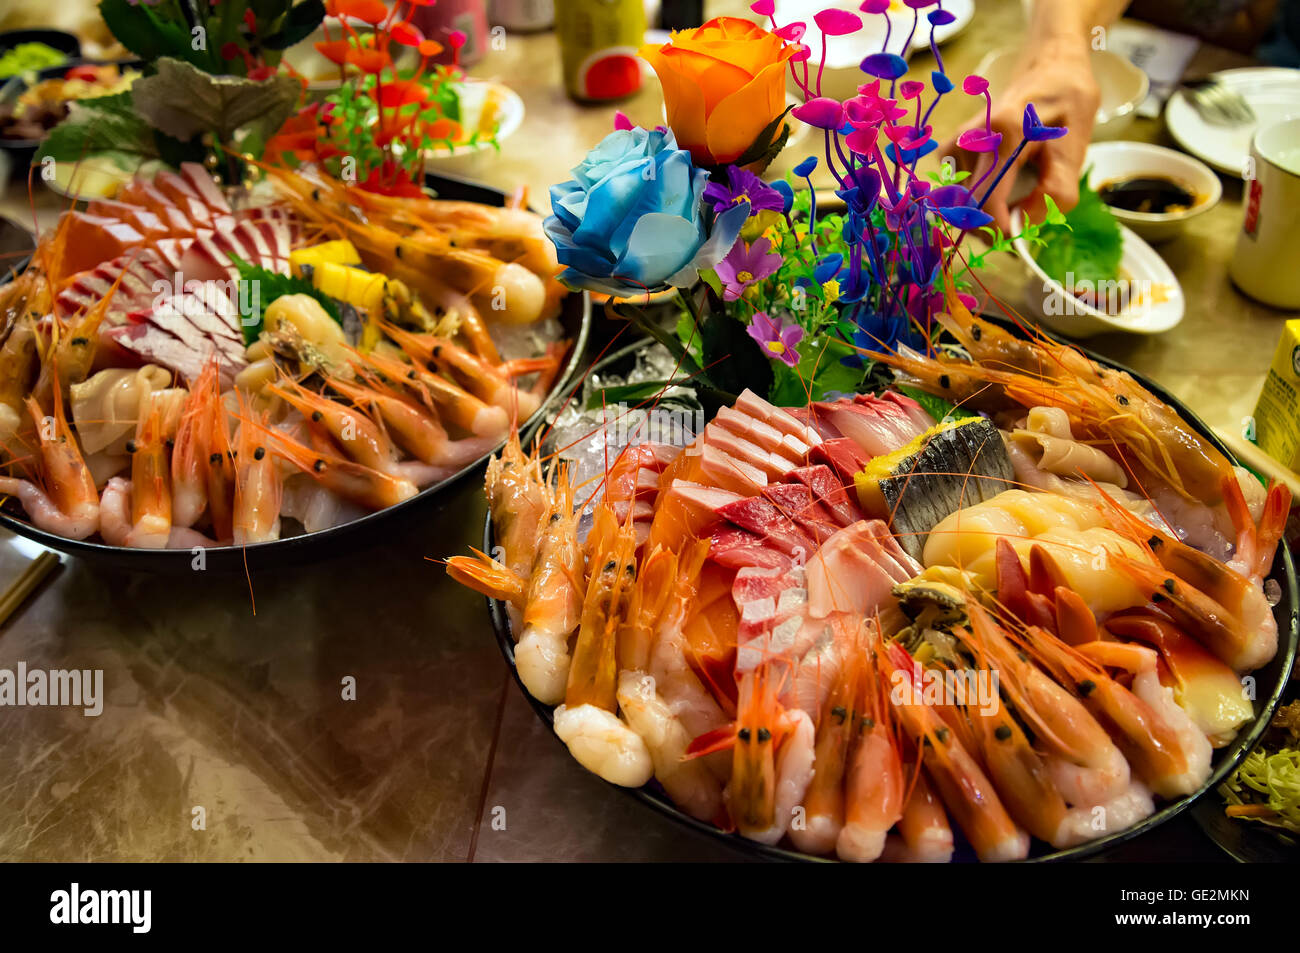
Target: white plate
<point>472,94</point>
<point>1274,95</point>
<point>1050,304</point>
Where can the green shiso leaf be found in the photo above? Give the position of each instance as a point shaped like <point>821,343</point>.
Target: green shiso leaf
<point>1088,244</point>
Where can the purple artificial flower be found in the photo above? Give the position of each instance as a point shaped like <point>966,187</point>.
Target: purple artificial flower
<point>874,6</point>
<point>777,342</point>
<point>975,85</point>
<point>956,206</point>
<point>745,187</point>
<point>1035,131</point>
<point>744,265</point>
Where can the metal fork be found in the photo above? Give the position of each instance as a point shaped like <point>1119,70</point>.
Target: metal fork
<point>1216,103</point>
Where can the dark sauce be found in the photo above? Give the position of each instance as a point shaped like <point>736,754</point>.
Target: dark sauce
<point>1147,193</point>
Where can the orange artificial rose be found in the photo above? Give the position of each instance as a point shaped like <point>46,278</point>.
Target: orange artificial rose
<point>723,83</point>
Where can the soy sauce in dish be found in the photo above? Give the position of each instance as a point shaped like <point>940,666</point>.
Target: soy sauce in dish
<point>1147,193</point>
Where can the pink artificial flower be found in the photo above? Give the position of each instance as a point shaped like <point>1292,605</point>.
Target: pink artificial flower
<point>776,341</point>
<point>744,265</point>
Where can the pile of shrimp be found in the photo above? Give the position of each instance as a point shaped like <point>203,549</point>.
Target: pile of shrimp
<point>1058,662</point>
<point>309,422</point>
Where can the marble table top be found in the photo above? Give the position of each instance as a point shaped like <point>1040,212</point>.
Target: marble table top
<point>230,727</point>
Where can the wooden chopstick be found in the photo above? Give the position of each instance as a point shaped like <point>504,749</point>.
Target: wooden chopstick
<point>21,588</point>
<point>1259,461</point>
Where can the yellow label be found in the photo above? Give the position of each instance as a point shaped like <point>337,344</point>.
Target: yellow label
<point>1277,414</point>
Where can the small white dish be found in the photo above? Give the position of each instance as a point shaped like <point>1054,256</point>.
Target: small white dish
<point>1159,308</point>
<point>1123,86</point>
<point>1113,161</point>
<point>474,97</point>
<point>1273,94</point>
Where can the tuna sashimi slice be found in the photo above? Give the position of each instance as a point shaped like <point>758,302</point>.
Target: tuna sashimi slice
<point>773,465</point>
<point>750,403</point>
<point>761,433</point>
<point>737,548</point>
<point>844,456</point>
<point>828,490</point>
<point>725,471</point>
<point>762,518</point>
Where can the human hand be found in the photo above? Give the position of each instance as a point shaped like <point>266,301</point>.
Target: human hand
<point>1057,78</point>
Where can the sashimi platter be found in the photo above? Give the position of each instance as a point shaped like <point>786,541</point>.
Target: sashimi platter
<point>836,567</point>
<point>227,353</point>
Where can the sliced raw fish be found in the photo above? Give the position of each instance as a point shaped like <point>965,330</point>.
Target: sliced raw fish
<point>845,457</point>
<point>201,181</point>
<point>839,500</point>
<point>750,403</point>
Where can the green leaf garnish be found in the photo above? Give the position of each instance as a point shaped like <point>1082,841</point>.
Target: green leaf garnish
<point>1086,244</point>
<point>271,285</point>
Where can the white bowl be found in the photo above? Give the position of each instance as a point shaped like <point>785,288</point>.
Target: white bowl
<point>1123,86</point>
<point>1158,309</point>
<point>1109,161</point>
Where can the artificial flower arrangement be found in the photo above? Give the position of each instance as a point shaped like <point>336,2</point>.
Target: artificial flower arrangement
<point>772,292</point>
<point>375,128</point>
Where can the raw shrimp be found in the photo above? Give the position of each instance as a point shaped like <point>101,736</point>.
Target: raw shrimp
<point>352,430</point>
<point>353,481</point>
<point>451,402</point>
<point>1207,689</point>
<point>688,781</point>
<point>676,680</point>
<point>1084,764</point>
<point>192,449</point>
<point>924,834</point>
<point>62,498</point>
<point>837,726</point>
<point>414,428</point>
<point>554,601</point>
<point>773,752</point>
<point>256,514</point>
<point>875,790</point>
<point>1140,661</point>
<point>1103,404</point>
<point>1151,743</point>
<point>151,496</point>
<point>966,790</point>
<point>587,721</point>
<point>479,377</point>
<point>518,502</point>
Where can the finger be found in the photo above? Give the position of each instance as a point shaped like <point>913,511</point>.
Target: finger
<point>999,201</point>
<point>1058,176</point>
<point>997,207</point>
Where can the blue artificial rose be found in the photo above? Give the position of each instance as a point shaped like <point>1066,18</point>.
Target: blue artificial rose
<point>630,221</point>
